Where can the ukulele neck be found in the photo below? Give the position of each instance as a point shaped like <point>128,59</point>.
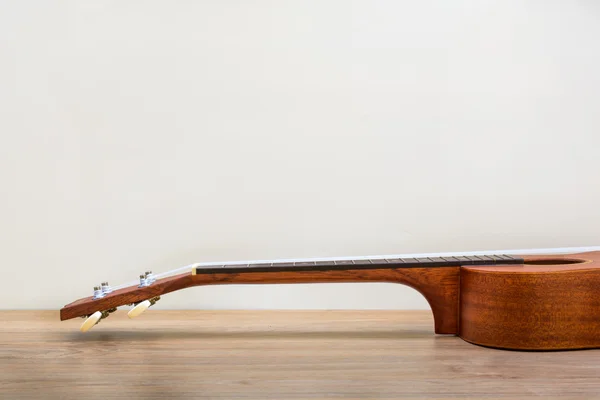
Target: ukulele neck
<point>357,264</point>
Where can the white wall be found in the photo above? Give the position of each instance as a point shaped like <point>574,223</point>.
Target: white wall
<point>153,134</point>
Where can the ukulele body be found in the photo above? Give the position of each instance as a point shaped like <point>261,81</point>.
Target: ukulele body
<point>548,303</point>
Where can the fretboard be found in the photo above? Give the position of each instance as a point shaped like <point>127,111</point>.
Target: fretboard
<point>374,263</point>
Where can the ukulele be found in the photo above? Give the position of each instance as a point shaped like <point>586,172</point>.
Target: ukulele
<point>496,300</point>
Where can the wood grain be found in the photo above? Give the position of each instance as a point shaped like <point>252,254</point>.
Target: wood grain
<point>555,310</point>
<point>439,286</point>
<point>547,303</point>
<point>128,295</point>
<point>273,355</point>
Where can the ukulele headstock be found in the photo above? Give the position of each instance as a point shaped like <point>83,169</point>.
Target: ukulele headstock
<point>105,299</point>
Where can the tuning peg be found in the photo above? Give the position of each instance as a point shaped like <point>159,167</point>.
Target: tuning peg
<point>91,321</point>
<point>94,319</point>
<point>140,307</point>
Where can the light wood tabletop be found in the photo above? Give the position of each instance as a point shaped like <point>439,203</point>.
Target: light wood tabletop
<point>273,355</point>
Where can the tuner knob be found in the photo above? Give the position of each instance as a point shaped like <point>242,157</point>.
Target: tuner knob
<point>106,288</point>
<point>149,277</point>
<point>139,309</point>
<point>90,321</point>
<point>98,293</point>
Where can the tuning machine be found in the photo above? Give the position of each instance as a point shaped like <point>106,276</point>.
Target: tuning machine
<point>147,279</point>
<point>105,287</point>
<point>95,318</point>
<point>139,308</point>
<point>102,290</point>
<point>98,293</point>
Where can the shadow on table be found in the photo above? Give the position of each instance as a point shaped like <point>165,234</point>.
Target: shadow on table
<point>125,335</point>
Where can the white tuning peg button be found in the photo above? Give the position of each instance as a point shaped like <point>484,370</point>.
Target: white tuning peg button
<point>90,321</point>
<point>139,308</point>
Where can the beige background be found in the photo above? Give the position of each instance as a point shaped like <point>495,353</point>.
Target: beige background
<point>152,134</point>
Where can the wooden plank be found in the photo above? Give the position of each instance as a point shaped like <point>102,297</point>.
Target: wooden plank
<point>273,355</point>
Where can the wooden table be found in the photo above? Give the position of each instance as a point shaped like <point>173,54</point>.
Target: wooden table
<point>273,355</point>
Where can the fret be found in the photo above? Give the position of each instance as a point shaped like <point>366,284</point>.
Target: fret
<point>375,263</point>
<point>324,263</point>
<point>379,261</point>
<point>283,264</point>
<point>437,259</point>
<point>395,260</point>
<point>451,260</point>
<point>464,260</point>
<point>304,264</point>
<point>486,260</point>
<point>512,260</point>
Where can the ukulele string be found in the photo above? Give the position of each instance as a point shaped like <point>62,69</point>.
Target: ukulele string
<point>190,267</point>
<point>158,276</point>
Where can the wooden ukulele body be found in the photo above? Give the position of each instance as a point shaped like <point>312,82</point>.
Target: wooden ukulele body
<point>544,303</point>
<point>548,303</point>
